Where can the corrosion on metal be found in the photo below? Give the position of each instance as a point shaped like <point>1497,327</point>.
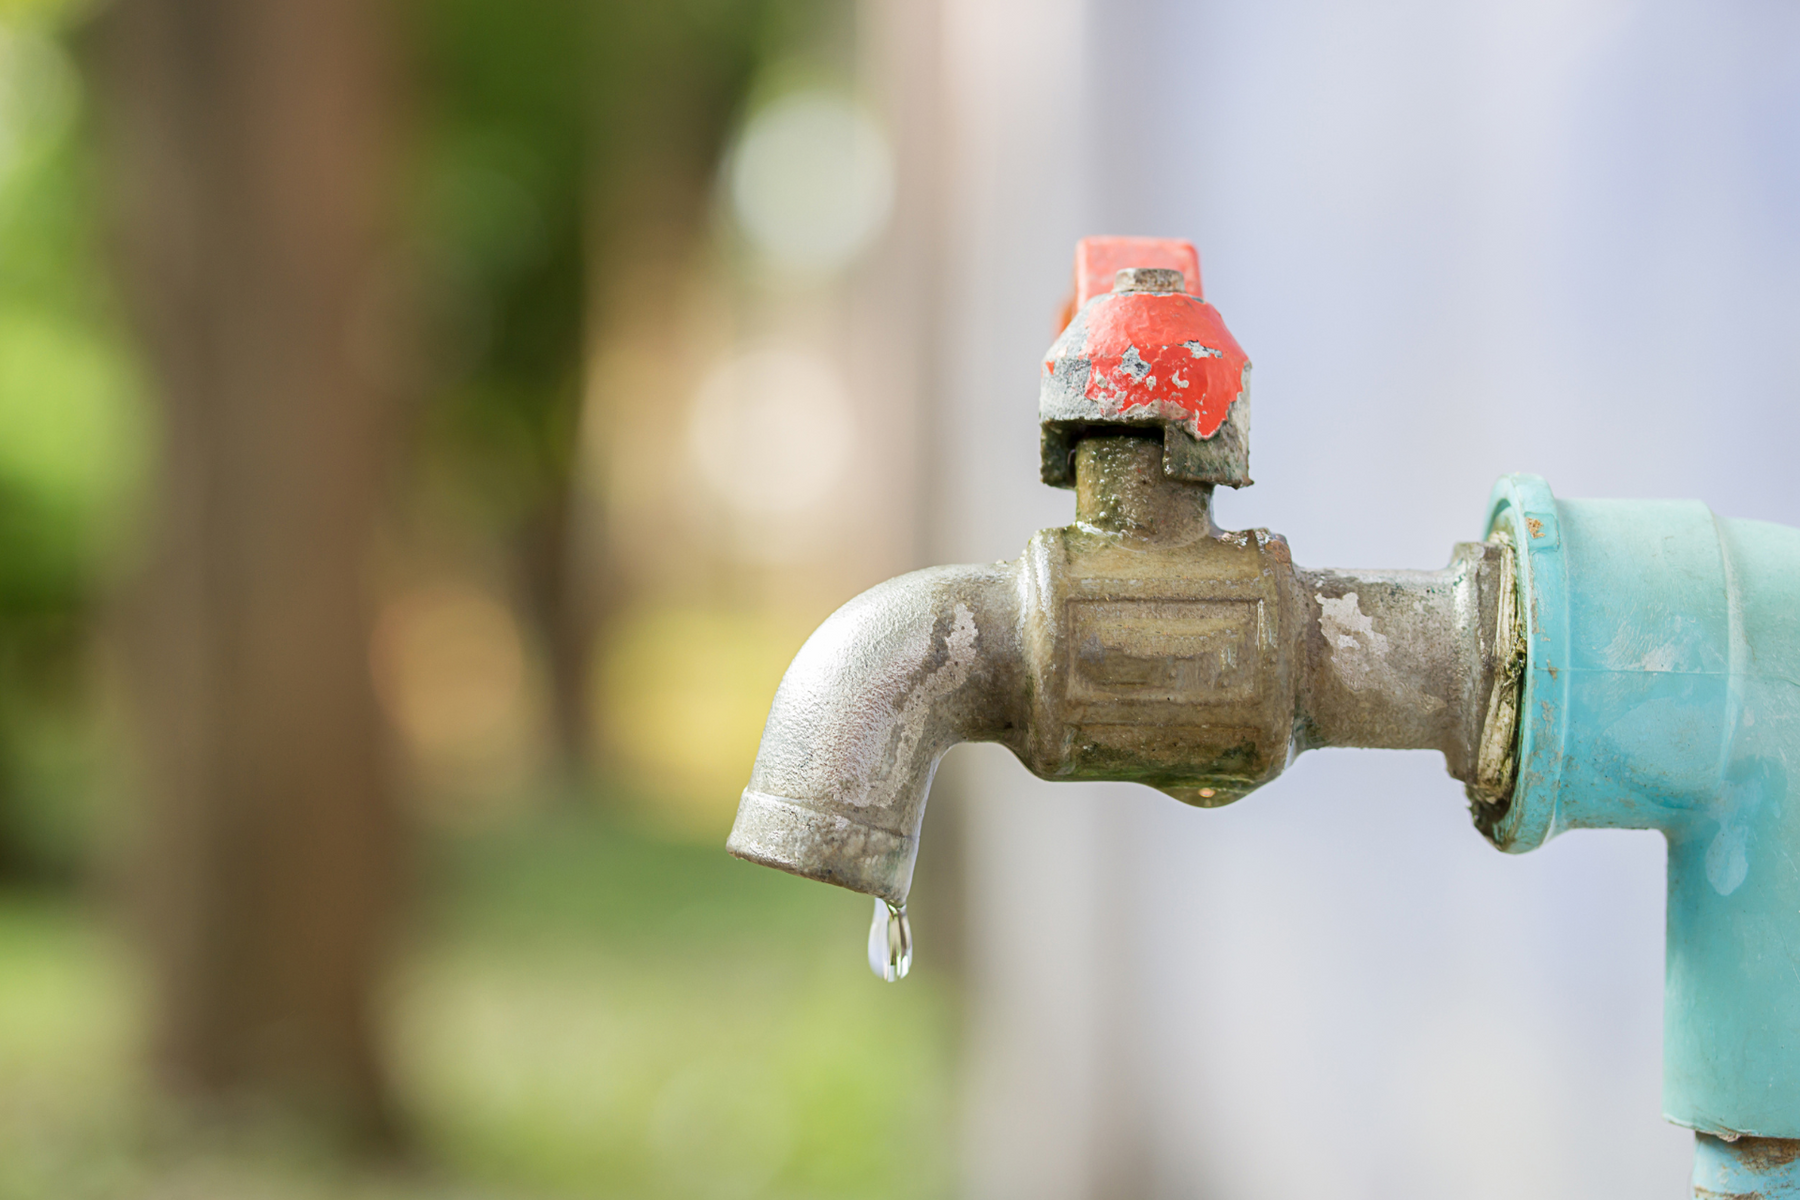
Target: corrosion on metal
<point>1497,756</point>
<point>1141,643</point>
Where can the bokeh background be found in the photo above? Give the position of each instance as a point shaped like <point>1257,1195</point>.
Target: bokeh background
<point>428,427</point>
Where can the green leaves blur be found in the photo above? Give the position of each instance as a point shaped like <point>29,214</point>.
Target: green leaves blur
<point>74,447</point>
<point>73,430</point>
<point>554,133</point>
<point>499,234</point>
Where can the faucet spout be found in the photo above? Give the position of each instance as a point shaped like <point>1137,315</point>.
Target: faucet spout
<point>870,704</point>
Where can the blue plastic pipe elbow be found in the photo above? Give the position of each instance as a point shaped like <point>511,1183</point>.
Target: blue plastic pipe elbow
<point>1663,692</point>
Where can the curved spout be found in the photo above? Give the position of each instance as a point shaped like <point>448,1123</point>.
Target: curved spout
<point>868,707</point>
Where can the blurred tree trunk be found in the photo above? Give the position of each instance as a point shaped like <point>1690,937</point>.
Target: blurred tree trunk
<point>250,150</point>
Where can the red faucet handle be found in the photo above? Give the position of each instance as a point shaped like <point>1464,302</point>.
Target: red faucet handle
<point>1141,347</point>
<point>1099,259</point>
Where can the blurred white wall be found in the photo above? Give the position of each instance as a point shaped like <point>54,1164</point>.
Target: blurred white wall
<point>1458,240</point>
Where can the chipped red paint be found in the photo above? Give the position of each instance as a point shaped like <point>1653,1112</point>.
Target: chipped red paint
<point>1146,358</point>
<point>1169,353</point>
<point>1098,259</point>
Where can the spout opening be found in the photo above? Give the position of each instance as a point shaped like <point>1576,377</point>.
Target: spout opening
<point>829,847</point>
<point>874,698</point>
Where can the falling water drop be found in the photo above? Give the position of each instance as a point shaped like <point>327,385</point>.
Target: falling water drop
<point>890,941</point>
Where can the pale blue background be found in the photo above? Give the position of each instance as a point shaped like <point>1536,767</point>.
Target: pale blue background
<point>1457,240</point>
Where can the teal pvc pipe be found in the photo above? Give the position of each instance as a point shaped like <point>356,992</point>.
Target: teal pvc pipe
<point>1662,691</point>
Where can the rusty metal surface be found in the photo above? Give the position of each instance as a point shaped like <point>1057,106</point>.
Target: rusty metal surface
<point>1496,757</point>
<point>1162,649</point>
<point>1402,659</point>
<point>1141,643</point>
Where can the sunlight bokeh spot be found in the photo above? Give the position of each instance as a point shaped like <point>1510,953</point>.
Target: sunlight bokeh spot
<point>812,181</point>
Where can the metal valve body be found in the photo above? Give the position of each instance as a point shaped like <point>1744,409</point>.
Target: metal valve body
<point>1141,643</point>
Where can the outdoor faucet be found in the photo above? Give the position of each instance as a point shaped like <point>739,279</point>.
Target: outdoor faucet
<point>1626,664</point>
<point>1140,643</point>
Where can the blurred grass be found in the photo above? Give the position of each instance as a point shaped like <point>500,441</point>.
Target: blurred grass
<point>68,1031</point>
<point>586,1011</point>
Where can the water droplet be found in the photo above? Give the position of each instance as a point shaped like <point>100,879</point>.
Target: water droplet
<point>890,941</point>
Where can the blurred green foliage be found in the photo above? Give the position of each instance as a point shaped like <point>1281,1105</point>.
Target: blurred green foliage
<point>549,134</point>
<point>499,236</point>
<point>564,145</point>
<point>554,133</point>
<point>586,1013</point>
<point>74,443</point>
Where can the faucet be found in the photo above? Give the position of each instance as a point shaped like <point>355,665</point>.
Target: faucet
<point>1589,664</point>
